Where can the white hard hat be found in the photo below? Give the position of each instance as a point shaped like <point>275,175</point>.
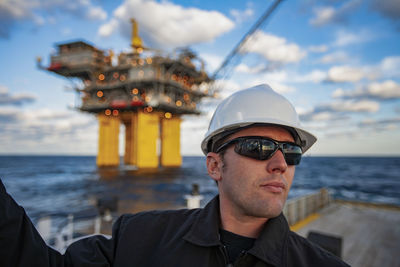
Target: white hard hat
<point>258,105</point>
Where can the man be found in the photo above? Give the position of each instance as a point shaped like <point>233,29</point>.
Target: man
<point>252,146</point>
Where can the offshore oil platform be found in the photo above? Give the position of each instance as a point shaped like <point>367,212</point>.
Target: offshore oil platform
<point>144,90</point>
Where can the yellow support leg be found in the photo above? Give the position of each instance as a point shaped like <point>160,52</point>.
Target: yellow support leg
<point>130,121</point>
<point>147,134</point>
<point>170,142</point>
<point>108,141</point>
<point>141,135</point>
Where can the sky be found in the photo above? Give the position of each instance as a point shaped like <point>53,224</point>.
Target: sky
<point>338,62</point>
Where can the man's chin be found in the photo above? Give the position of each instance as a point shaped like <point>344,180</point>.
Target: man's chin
<point>270,213</point>
<point>275,210</point>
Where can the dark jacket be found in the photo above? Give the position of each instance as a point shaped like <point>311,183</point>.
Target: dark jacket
<point>155,238</point>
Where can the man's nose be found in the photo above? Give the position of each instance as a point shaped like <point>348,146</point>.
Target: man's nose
<point>277,163</point>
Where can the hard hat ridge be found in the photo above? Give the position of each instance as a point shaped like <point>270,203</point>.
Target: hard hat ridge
<point>256,105</point>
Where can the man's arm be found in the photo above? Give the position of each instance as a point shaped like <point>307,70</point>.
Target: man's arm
<point>22,245</point>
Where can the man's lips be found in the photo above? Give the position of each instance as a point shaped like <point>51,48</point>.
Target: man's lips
<point>274,187</point>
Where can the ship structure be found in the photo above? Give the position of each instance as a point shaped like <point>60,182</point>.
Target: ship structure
<point>146,91</point>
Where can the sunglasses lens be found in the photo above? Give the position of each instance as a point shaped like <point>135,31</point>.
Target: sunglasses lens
<point>249,148</point>
<point>267,149</point>
<point>292,154</point>
<point>262,149</point>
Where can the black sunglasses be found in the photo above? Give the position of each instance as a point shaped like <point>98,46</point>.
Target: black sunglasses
<point>262,148</point>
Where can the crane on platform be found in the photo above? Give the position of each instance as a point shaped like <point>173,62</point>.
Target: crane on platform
<point>223,69</point>
<point>227,65</point>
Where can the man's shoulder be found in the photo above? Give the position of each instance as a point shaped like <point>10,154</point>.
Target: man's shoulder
<point>150,220</point>
<point>153,215</point>
<point>306,251</point>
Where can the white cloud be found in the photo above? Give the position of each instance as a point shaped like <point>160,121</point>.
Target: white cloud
<point>66,31</point>
<point>40,131</point>
<point>279,76</point>
<point>247,69</point>
<point>385,122</point>
<point>212,61</point>
<point>193,129</point>
<point>355,106</point>
<point>242,15</point>
<point>41,11</point>
<point>318,48</point>
<point>18,9</point>
<point>339,110</point>
<point>318,120</point>
<point>282,88</point>
<point>225,89</point>
<point>38,20</point>
<point>17,99</point>
<point>315,76</point>
<point>276,79</point>
<point>95,13</point>
<point>345,74</point>
<point>9,115</point>
<point>324,15</point>
<point>273,48</point>
<point>3,90</point>
<point>338,93</point>
<point>386,90</point>
<point>324,116</point>
<point>335,57</point>
<point>167,24</point>
<point>108,28</point>
<point>390,66</point>
<point>345,38</point>
<point>282,76</point>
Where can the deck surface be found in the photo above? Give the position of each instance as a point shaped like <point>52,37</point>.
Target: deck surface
<point>370,234</point>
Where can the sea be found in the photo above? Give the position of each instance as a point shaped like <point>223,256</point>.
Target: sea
<point>60,185</point>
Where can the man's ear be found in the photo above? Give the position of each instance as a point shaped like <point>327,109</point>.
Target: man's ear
<point>214,166</point>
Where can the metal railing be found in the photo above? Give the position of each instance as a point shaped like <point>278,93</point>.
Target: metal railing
<point>298,209</point>
<point>62,235</point>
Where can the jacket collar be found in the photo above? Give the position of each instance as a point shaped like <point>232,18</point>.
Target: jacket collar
<point>269,246</point>
<point>205,229</point>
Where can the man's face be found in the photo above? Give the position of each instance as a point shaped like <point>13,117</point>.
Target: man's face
<point>255,188</point>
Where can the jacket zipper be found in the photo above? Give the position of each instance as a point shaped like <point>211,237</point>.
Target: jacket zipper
<point>222,248</point>
<point>242,255</point>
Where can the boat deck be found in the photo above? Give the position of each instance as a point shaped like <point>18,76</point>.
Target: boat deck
<point>370,233</point>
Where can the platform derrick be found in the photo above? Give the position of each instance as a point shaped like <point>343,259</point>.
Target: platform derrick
<point>146,91</point>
